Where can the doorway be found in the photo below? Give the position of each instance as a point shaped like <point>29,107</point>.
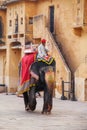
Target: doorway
<point>51,18</point>
<point>2,66</point>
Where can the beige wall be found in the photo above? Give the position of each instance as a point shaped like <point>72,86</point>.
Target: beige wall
<point>3,52</point>
<point>12,11</point>
<point>63,25</point>
<point>3,15</point>
<point>14,55</point>
<point>30,11</point>
<point>69,30</point>
<point>23,10</point>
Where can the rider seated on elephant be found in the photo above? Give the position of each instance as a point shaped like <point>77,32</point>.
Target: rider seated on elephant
<point>42,50</point>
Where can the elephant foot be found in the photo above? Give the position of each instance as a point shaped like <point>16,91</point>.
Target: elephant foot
<point>27,108</point>
<point>32,105</point>
<point>47,109</point>
<point>46,113</point>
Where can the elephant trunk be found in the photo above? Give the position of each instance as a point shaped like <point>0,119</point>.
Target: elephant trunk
<point>48,94</point>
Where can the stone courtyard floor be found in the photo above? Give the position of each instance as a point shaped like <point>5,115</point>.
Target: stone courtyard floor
<point>66,115</point>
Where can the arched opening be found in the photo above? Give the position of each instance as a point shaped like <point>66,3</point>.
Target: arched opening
<point>2,66</point>
<point>15,56</point>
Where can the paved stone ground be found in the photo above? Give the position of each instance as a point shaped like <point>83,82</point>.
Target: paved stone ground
<point>66,115</point>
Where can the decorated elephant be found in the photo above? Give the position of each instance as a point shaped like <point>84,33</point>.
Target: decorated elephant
<point>35,76</point>
<point>42,79</point>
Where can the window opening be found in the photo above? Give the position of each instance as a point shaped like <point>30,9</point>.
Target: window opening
<point>30,20</point>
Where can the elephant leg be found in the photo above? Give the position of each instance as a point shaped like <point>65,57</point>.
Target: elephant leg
<point>32,94</point>
<point>47,106</point>
<point>32,98</point>
<point>26,101</point>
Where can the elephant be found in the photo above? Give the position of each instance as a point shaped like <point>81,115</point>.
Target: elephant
<point>42,79</point>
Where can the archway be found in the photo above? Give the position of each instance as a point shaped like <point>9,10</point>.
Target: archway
<point>2,66</point>
<point>15,56</point>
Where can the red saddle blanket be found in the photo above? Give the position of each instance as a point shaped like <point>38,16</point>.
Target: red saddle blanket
<point>26,62</point>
